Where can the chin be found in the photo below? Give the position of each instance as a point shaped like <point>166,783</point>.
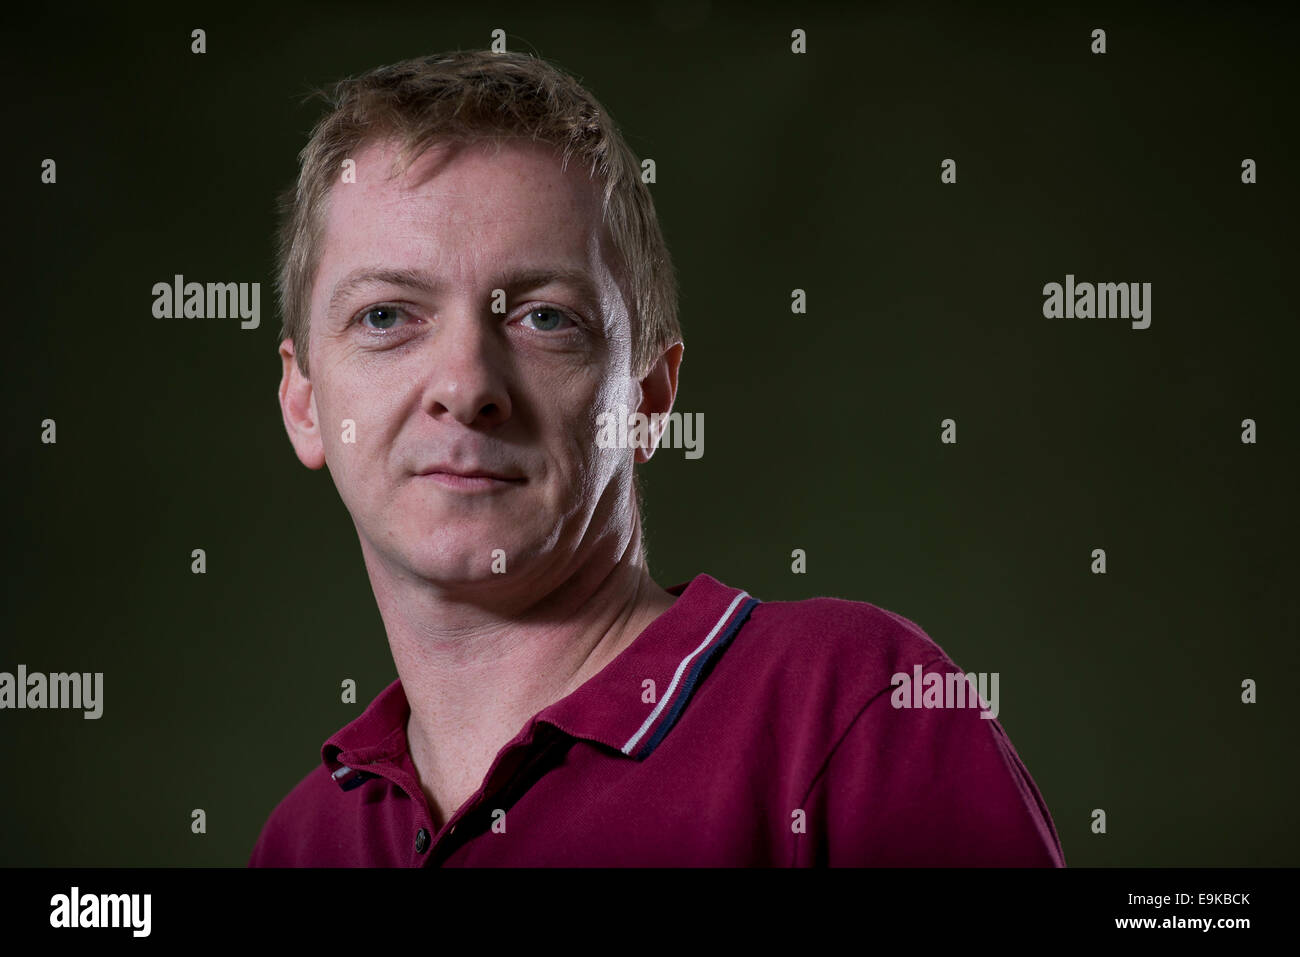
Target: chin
<point>467,553</point>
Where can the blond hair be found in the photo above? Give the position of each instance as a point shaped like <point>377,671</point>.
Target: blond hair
<point>466,97</point>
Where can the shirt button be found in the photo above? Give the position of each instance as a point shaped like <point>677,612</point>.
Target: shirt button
<point>421,841</point>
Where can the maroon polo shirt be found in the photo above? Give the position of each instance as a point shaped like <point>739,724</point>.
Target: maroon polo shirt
<point>730,732</point>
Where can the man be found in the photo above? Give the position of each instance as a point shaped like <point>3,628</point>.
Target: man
<point>462,301</point>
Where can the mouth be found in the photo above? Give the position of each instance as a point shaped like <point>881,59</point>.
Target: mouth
<point>470,480</point>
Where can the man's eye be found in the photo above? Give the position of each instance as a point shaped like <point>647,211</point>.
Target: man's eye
<point>553,318</point>
<point>385,317</point>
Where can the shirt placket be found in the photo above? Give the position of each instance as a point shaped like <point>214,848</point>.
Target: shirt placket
<point>511,774</point>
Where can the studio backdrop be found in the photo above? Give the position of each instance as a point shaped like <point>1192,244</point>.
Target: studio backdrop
<point>988,321</point>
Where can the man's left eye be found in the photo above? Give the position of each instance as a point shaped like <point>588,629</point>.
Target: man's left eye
<point>552,318</point>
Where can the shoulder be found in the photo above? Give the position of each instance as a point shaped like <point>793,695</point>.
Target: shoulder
<point>838,649</point>
<point>929,779</point>
<point>362,818</point>
<point>291,835</point>
<point>803,672</point>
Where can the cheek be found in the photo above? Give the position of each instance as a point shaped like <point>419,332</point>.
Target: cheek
<point>597,465</point>
<point>353,428</point>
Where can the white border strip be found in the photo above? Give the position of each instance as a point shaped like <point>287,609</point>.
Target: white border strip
<point>681,669</point>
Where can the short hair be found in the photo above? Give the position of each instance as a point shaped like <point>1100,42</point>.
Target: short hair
<point>472,96</point>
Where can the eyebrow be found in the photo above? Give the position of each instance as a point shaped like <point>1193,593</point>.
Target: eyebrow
<point>512,281</point>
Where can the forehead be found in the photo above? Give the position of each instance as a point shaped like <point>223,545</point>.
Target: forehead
<point>462,211</point>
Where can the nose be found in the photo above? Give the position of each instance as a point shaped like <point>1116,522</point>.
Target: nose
<point>468,365</point>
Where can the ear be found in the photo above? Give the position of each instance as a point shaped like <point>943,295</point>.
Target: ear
<point>298,406</point>
<point>658,390</point>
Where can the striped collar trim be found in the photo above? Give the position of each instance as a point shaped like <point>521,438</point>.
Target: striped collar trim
<point>629,706</point>
<point>632,703</point>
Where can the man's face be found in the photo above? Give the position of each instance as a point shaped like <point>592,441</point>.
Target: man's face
<point>434,380</point>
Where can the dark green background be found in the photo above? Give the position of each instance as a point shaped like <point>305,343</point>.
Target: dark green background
<point>775,171</point>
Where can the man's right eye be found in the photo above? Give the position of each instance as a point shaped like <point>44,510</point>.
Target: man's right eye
<point>385,317</point>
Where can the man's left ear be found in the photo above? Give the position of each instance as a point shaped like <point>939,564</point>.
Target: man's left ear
<point>658,390</point>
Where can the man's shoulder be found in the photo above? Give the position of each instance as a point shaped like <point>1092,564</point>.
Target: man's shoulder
<point>292,831</point>
<point>851,643</point>
<point>811,666</point>
<point>828,673</point>
<point>363,817</point>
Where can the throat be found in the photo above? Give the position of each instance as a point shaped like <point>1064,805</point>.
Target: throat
<point>446,785</point>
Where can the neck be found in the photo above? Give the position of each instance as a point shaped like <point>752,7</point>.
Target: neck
<point>474,673</point>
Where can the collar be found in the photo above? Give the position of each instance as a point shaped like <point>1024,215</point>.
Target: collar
<point>617,707</point>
